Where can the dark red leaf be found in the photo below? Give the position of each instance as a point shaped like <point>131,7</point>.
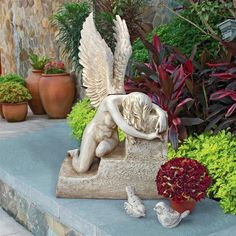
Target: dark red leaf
<point>231,110</point>
<point>156,43</point>
<point>181,104</point>
<point>217,64</point>
<point>223,93</point>
<point>225,124</point>
<point>191,121</point>
<point>162,73</point>
<point>213,122</point>
<point>173,136</point>
<point>223,76</point>
<point>189,66</point>
<point>176,121</point>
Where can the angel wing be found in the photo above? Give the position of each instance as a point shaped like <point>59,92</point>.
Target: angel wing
<point>122,54</point>
<point>96,57</point>
<point>97,61</point>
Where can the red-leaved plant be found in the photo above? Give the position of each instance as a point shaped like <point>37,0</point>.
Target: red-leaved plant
<point>222,109</point>
<point>54,67</point>
<point>182,179</point>
<point>164,80</point>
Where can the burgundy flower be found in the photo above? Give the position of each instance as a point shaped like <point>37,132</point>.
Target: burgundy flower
<point>183,179</point>
<point>54,67</point>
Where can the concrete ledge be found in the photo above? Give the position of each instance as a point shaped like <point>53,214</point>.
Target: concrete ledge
<point>29,167</point>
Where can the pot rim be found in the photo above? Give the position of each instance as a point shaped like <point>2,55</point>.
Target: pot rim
<point>51,75</point>
<point>37,71</point>
<point>192,200</point>
<point>12,104</point>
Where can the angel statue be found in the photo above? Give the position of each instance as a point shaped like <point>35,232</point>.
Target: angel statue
<point>103,76</point>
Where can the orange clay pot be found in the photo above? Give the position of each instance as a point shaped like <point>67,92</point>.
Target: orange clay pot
<point>1,113</point>
<point>182,206</point>
<point>57,92</point>
<point>15,112</point>
<point>32,84</point>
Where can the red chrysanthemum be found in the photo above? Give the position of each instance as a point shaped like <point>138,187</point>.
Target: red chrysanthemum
<point>183,179</point>
<point>54,67</point>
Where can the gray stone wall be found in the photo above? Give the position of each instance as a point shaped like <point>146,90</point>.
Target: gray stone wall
<point>157,15</point>
<point>25,27</point>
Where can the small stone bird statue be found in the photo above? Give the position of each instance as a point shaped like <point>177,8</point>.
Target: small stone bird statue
<point>168,217</point>
<point>134,207</point>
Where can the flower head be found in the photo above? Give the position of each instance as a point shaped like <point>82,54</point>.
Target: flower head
<point>183,179</point>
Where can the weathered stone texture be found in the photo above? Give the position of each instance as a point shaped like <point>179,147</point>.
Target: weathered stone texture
<point>30,214</point>
<point>156,15</point>
<point>24,28</point>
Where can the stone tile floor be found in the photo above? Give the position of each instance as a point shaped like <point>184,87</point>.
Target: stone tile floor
<point>9,227</point>
<point>32,123</point>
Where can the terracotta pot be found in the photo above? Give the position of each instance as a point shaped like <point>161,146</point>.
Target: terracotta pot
<point>1,113</point>
<point>182,206</point>
<point>32,84</point>
<point>15,112</point>
<point>57,93</point>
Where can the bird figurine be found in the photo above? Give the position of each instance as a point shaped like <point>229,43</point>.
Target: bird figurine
<point>168,217</point>
<point>134,205</point>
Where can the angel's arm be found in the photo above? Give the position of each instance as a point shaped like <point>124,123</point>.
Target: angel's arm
<point>122,124</point>
<point>162,120</point>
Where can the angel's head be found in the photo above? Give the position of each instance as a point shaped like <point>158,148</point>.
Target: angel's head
<point>136,110</point>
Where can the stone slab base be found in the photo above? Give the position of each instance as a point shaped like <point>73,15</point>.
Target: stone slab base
<point>134,165</point>
<point>30,215</point>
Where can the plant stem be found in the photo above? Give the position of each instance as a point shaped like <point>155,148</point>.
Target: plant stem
<point>212,32</point>
<point>182,17</point>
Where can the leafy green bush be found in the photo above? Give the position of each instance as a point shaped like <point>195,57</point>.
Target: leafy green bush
<point>181,34</point>
<point>217,153</point>
<point>13,93</point>
<point>82,113</point>
<point>14,78</point>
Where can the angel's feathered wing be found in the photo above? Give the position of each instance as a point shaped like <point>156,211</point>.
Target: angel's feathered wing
<point>99,77</point>
<point>123,52</point>
<point>97,61</point>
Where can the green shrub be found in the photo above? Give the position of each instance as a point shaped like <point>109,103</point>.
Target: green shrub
<point>82,113</point>
<point>14,78</point>
<point>13,93</point>
<point>181,34</point>
<point>218,154</point>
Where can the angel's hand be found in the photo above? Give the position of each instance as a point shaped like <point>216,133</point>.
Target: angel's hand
<point>161,125</point>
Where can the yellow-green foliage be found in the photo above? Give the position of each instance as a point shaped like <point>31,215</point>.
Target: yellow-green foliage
<point>13,92</point>
<point>82,113</point>
<point>218,154</point>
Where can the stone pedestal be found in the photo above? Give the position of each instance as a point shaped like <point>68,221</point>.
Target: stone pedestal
<point>134,165</point>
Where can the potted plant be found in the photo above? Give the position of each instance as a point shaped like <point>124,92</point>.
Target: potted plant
<point>14,98</point>
<point>32,82</point>
<point>57,90</point>
<point>11,77</point>
<point>184,181</point>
